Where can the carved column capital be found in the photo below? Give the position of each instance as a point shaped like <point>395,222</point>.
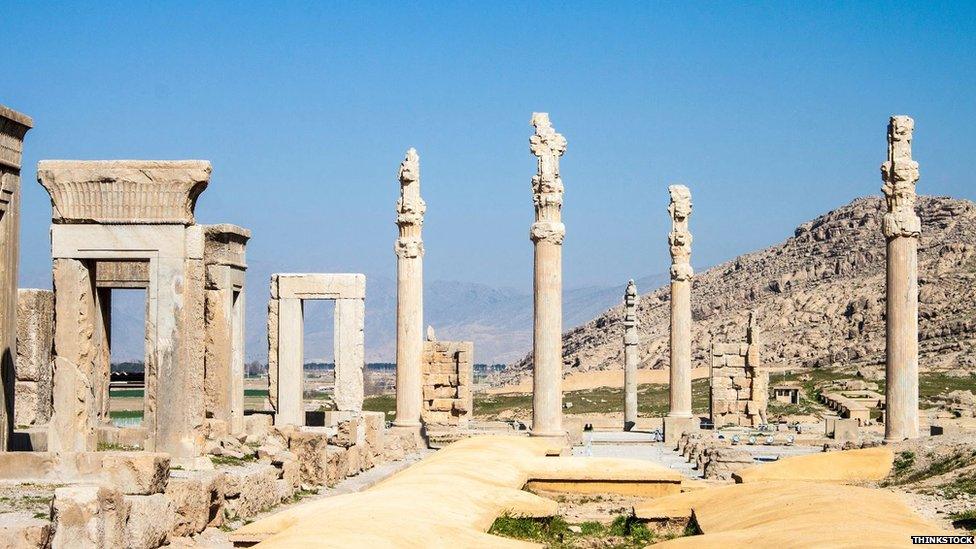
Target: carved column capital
<point>679,239</point>
<point>899,174</point>
<point>547,186</point>
<point>410,208</point>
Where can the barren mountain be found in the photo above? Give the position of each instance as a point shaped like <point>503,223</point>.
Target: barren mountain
<point>819,297</point>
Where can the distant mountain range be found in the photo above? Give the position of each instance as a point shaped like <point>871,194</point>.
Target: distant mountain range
<point>498,320</point>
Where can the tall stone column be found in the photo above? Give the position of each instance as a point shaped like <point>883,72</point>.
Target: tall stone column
<point>901,228</point>
<point>679,418</point>
<point>409,249</point>
<point>630,356</point>
<point>547,233</point>
<point>13,127</point>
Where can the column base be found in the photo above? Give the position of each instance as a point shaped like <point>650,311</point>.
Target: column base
<point>675,426</point>
<point>558,441</point>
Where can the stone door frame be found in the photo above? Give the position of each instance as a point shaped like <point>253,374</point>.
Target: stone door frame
<point>165,248</point>
<point>289,291</point>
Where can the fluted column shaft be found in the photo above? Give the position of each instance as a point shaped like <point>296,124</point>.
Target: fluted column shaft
<point>681,273</point>
<point>901,228</point>
<point>410,301</point>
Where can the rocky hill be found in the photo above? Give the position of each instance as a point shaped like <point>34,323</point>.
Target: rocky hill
<point>819,297</point>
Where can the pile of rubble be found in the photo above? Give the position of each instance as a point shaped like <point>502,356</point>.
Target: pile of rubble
<point>716,459</point>
<point>135,499</point>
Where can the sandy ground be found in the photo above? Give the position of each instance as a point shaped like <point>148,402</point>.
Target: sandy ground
<point>580,381</point>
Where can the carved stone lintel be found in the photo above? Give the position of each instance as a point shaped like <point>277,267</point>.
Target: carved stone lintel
<point>900,175</point>
<point>679,239</point>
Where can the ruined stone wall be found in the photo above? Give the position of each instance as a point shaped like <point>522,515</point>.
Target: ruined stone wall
<point>13,127</point>
<point>739,385</point>
<point>448,375</point>
<point>35,343</point>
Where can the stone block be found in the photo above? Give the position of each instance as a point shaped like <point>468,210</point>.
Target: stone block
<point>197,501</point>
<point>23,531</point>
<point>337,465</point>
<point>674,427</point>
<point>350,432</point>
<point>442,405</point>
<point>150,520</point>
<point>89,516</point>
<point>374,431</point>
<point>136,473</point>
<point>311,451</point>
<point>250,489</point>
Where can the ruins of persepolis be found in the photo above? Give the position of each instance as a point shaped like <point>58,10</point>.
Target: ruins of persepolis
<point>679,416</point>
<point>130,224</point>
<point>901,227</point>
<point>289,292</point>
<point>409,250</point>
<point>547,234</point>
<point>13,128</point>
<point>631,356</point>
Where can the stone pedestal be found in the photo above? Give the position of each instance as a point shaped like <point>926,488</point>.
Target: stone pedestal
<point>409,249</point>
<point>547,234</point>
<point>631,358</point>
<point>675,426</point>
<point>679,240</point>
<point>901,228</point>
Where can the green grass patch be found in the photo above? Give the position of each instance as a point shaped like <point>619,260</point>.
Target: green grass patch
<point>933,384</point>
<point>903,463</point>
<point>109,447</point>
<point>939,466</point>
<point>965,520</point>
<point>126,393</point>
<point>125,414</point>
<point>380,403</point>
<point>255,392</point>
<point>626,531</point>
<point>230,460</point>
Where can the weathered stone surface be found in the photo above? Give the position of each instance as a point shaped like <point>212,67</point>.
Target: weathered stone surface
<point>739,389</point>
<point>13,127</point>
<point>34,368</point>
<point>89,516</point>
<point>132,472</point>
<point>128,191</point>
<point>24,531</point>
<point>447,381</point>
<point>349,353</point>
<point>250,489</point>
<point>679,348</point>
<point>197,499</point>
<point>311,450</point>
<point>150,520</point>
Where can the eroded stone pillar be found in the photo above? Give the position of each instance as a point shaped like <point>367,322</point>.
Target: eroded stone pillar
<point>72,427</point>
<point>679,416</point>
<point>290,372</point>
<point>35,342</point>
<point>630,356</point>
<point>13,128</point>
<point>349,353</point>
<point>901,228</point>
<point>410,299</point>
<point>547,235</point>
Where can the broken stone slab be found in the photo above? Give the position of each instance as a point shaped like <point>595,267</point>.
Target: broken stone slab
<point>22,531</point>
<point>129,472</point>
<point>89,516</point>
<point>250,489</point>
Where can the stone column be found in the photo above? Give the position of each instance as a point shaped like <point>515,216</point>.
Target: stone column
<point>901,228</point>
<point>547,234</point>
<point>630,356</point>
<point>679,416</point>
<point>409,249</point>
<point>290,373</point>
<point>13,127</point>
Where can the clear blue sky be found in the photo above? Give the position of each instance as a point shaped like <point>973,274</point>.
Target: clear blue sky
<point>772,113</point>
